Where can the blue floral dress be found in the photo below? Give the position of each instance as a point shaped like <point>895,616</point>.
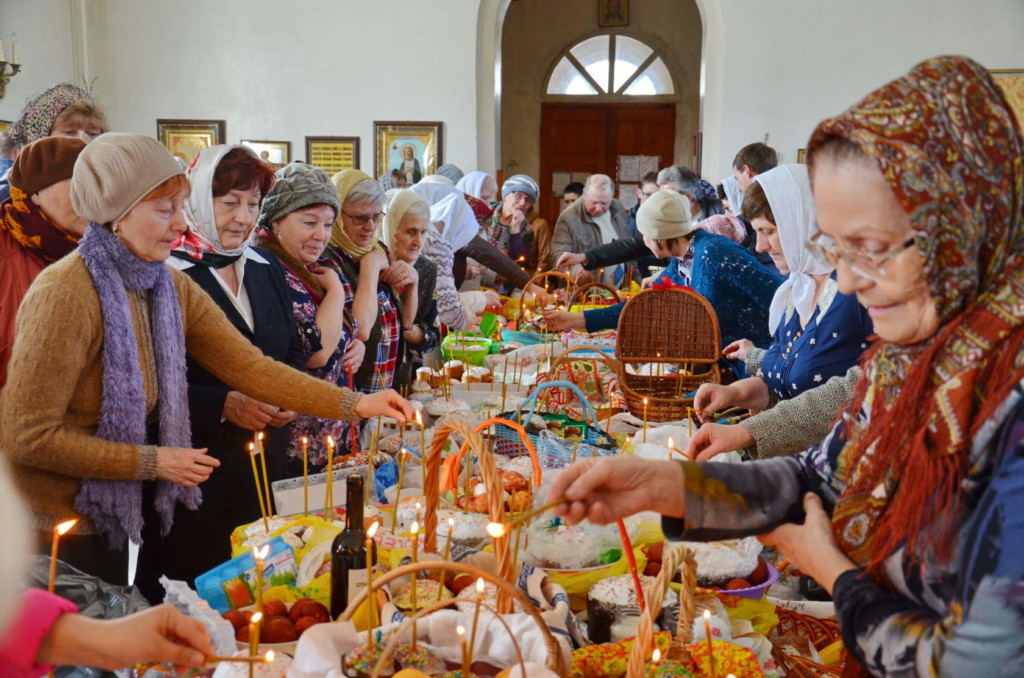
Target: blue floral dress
<point>801,358</point>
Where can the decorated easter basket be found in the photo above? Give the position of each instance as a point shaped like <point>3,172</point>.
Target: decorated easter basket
<point>522,320</point>
<point>820,632</point>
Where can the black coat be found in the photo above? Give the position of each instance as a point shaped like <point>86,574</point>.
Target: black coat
<point>199,540</point>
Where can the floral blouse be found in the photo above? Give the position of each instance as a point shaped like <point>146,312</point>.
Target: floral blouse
<point>315,429</point>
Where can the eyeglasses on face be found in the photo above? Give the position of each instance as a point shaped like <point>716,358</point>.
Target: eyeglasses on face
<point>865,264</point>
<point>364,219</point>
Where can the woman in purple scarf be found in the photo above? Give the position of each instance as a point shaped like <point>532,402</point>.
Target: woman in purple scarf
<point>95,409</point>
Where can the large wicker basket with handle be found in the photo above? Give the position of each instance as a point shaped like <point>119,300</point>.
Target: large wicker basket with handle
<point>661,328</point>
<point>820,632</point>
<point>555,660</point>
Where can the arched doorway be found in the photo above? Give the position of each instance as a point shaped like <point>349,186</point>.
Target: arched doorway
<point>568,88</point>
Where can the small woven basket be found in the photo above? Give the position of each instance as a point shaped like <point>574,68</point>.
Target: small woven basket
<point>590,295</point>
<point>820,632</point>
<point>643,645</point>
<point>658,328</point>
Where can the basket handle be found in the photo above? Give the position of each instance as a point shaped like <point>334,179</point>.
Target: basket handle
<point>555,662</point>
<point>582,289</point>
<point>570,284</point>
<point>564,357</point>
<point>432,474</point>
<point>655,595</point>
<point>484,425</point>
<point>588,409</point>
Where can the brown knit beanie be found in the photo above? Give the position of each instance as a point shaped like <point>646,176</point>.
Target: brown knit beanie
<point>44,163</point>
<point>115,172</point>
<point>665,215</point>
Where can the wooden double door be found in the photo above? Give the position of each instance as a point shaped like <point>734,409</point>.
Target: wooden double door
<point>589,139</point>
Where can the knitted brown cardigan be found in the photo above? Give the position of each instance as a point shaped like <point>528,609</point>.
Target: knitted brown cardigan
<point>50,405</point>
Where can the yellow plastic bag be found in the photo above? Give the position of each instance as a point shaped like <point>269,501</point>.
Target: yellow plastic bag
<point>577,583</point>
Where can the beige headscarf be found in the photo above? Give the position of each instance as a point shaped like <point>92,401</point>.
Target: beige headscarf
<point>344,181</point>
<point>396,210</point>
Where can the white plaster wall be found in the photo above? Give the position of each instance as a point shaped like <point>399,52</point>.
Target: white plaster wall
<point>788,64</point>
<point>45,49</point>
<point>282,71</point>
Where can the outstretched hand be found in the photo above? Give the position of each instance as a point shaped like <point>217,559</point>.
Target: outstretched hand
<point>384,403</point>
<point>710,440</point>
<point>611,488</point>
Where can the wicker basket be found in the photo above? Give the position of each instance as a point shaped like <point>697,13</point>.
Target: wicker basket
<point>643,646</point>
<point>567,356</point>
<point>820,632</point>
<point>659,327</point>
<point>555,662</point>
<point>535,280</point>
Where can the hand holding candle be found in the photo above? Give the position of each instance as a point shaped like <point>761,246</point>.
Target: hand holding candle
<point>263,463</point>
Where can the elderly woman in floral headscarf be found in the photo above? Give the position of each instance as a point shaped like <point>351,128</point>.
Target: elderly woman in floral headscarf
<point>380,285</point>
<point>920,194</point>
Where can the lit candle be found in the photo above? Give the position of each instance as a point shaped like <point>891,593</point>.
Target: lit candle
<point>254,633</point>
<point>423,436</point>
<point>398,494</point>
<point>305,476</point>
<point>415,541</point>
<point>465,653</point>
<point>259,554</point>
<point>645,419</point>
<point>371,598</point>
<point>447,552</point>
<point>476,614</point>
<point>670,448</point>
<point>655,658</point>
<point>707,634</point>
<point>329,488</point>
<point>58,531</point>
<point>259,488</point>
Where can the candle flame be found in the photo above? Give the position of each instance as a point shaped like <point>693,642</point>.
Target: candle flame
<point>259,436</point>
<point>330,441</point>
<point>415,527</point>
<point>496,530</point>
<point>451,522</point>
<point>707,615</point>
<point>260,553</point>
<point>670,445</point>
<point>480,585</point>
<point>645,400</point>
<point>419,418</point>
<point>373,529</point>
<point>269,656</point>
<point>305,441</point>
<point>256,618</point>
<point>656,657</point>
<point>459,630</point>
<point>62,528</point>
<point>252,448</point>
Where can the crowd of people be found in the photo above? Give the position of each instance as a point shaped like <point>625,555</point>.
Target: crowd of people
<point>154,316</point>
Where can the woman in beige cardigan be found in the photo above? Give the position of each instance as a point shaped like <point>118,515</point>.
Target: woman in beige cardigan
<point>94,416</point>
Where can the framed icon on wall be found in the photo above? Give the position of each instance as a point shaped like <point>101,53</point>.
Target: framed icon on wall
<point>333,154</point>
<point>413,148</point>
<point>185,138</point>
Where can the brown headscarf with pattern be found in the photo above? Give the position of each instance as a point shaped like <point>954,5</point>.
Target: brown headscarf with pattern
<point>33,230</point>
<point>951,150</point>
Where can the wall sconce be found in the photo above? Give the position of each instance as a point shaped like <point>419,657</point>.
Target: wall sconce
<point>5,74</point>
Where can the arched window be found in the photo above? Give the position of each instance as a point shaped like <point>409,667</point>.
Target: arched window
<point>611,64</point>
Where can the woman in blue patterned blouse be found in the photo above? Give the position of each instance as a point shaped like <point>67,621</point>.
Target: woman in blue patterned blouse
<point>817,332</point>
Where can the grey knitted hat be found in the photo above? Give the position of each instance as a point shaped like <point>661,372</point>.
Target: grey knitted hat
<point>298,185</point>
<point>520,183</point>
<point>115,172</point>
<point>451,171</point>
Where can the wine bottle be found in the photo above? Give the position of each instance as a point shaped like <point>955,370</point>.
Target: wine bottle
<point>348,552</point>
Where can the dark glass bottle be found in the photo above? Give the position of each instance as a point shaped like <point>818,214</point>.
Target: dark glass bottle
<point>348,552</point>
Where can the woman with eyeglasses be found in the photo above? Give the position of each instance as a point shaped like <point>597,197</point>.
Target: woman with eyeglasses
<point>910,512</point>
<point>817,333</point>
<point>381,286</point>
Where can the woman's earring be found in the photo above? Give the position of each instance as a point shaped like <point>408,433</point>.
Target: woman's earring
<point>116,227</point>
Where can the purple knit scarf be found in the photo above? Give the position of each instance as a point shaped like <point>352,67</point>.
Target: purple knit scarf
<point>115,506</point>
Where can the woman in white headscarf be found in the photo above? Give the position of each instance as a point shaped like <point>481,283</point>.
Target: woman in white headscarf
<point>480,185</point>
<point>247,283</point>
<point>817,332</point>
<point>733,194</point>
<point>454,226</point>
<point>406,224</point>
